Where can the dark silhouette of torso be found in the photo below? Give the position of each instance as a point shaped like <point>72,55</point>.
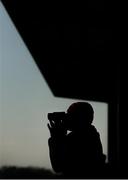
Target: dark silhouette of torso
<point>78,154</point>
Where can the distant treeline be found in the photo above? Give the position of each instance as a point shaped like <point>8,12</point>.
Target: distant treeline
<point>11,172</point>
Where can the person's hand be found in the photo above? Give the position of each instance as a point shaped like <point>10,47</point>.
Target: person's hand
<point>57,129</point>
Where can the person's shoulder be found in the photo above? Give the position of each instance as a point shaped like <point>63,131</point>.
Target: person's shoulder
<point>94,130</point>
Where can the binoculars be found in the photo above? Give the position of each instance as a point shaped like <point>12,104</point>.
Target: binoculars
<point>55,116</point>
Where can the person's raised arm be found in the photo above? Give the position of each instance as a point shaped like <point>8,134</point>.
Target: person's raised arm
<point>57,144</point>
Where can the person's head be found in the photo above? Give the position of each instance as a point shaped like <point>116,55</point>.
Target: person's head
<point>80,115</point>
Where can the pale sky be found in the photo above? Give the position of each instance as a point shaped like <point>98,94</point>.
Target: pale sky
<point>25,100</point>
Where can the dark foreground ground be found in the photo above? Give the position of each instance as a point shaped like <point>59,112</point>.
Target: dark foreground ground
<point>12,172</point>
<point>25,172</point>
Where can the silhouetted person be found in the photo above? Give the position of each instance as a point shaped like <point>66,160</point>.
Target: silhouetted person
<point>78,153</point>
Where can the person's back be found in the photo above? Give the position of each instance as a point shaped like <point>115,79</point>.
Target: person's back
<point>80,152</point>
<point>84,155</point>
